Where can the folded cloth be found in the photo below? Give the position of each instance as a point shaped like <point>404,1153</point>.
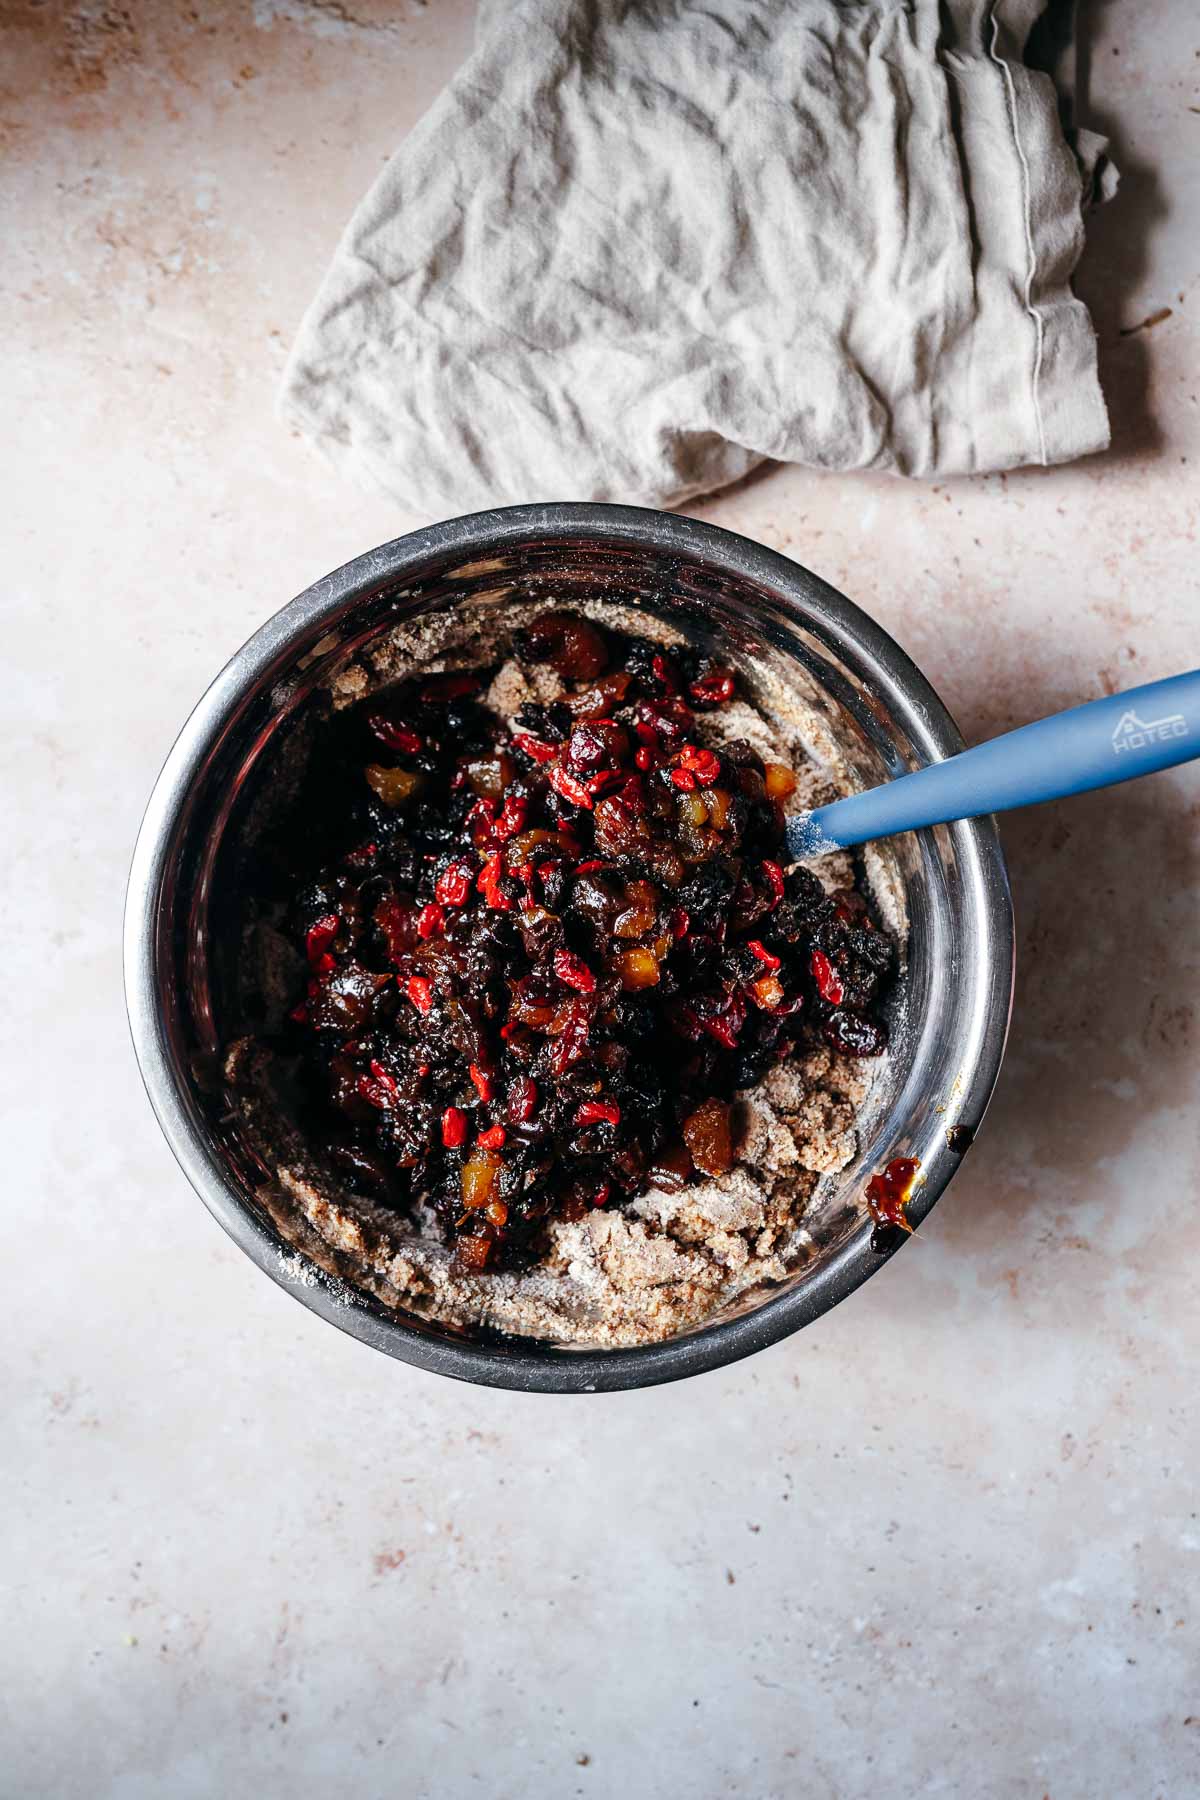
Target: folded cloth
<point>639,246</point>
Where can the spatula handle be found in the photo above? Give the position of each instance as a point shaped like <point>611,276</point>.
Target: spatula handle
<point>1093,746</point>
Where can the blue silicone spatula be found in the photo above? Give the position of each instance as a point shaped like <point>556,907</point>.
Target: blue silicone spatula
<point>1092,746</point>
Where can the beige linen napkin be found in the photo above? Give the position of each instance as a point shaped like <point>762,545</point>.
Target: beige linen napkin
<point>638,246</point>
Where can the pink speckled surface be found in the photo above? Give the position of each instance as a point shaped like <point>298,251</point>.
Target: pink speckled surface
<point>947,1541</point>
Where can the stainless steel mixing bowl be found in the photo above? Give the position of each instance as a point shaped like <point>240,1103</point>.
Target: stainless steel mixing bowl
<point>776,621</point>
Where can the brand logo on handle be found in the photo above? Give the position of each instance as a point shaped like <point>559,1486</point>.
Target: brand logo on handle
<point>1133,733</point>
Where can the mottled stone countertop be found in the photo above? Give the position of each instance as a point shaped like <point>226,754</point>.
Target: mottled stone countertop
<point>947,1540</point>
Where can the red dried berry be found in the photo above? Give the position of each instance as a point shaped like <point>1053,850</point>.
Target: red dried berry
<point>480,821</point>
<point>396,737</point>
<point>772,874</point>
<point>570,789</point>
<point>490,877</point>
<point>678,923</point>
<point>534,748</point>
<point>318,940</point>
<point>420,992</point>
<point>664,673</point>
<point>572,1040</point>
<point>606,779</point>
<point>586,868</point>
<point>493,1138</point>
<point>724,1023</point>
<point>705,765</point>
<point>829,982</point>
<point>573,972</point>
<point>598,1112</point>
<point>643,756</point>
<point>512,817</point>
<point>601,1194</point>
<point>380,1092</point>
<point>713,689</point>
<point>522,1098</point>
<point>454,884</point>
<point>683,778</point>
<point>454,1127</point>
<point>765,956</point>
<point>431,921</point>
<point>485,1087</point>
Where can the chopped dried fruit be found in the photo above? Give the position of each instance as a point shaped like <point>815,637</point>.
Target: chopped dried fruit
<point>570,789</point>
<point>714,689</point>
<point>396,737</point>
<point>454,1127</point>
<point>828,981</point>
<point>483,1083</point>
<point>584,922</point>
<point>705,765</point>
<point>571,645</point>
<point>598,1112</point>
<point>454,884</point>
<point>772,875</point>
<point>574,972</point>
<point>522,1099</point>
<point>889,1192</point>
<point>769,961</point>
<point>394,786</point>
<point>431,921</point>
<point>708,1134</point>
<point>534,748</point>
<point>638,969</point>
<point>317,941</point>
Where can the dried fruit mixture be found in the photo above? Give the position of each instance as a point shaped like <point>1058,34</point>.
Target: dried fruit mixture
<point>546,952</point>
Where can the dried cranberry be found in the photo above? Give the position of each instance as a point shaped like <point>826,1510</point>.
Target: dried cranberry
<point>713,689</point>
<point>704,765</point>
<point>828,982</point>
<point>396,737</point>
<point>772,874</point>
<point>492,1139</point>
<point>512,817</point>
<point>768,959</point>
<point>454,884</point>
<point>572,1041</point>
<point>489,883</point>
<point>537,751</point>
<point>454,1127</point>
<point>431,921</point>
<point>570,789</point>
<point>598,1112</point>
<point>574,972</point>
<point>484,1086</point>
<point>420,992</point>
<point>318,940</point>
